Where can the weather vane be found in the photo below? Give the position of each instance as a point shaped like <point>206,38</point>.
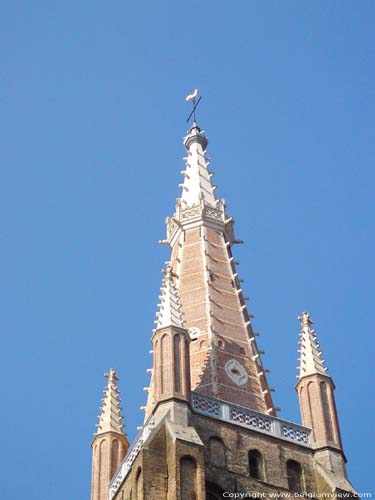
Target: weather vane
<point>193,97</point>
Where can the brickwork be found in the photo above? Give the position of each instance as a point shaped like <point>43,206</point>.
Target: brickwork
<point>171,372</point>
<point>318,409</point>
<point>166,460</point>
<point>108,450</point>
<point>213,303</point>
<point>238,443</point>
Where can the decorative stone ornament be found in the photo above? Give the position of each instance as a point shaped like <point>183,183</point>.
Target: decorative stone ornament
<point>194,333</point>
<point>236,372</point>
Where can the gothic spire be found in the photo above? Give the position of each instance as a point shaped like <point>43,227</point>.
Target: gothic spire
<point>169,308</point>
<point>225,360</point>
<point>110,419</point>
<point>311,361</point>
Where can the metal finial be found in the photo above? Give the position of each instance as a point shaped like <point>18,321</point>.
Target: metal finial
<point>193,97</point>
<point>111,375</point>
<point>305,320</point>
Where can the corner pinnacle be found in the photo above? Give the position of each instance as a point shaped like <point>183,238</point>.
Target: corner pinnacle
<point>110,419</point>
<point>169,309</point>
<point>311,361</point>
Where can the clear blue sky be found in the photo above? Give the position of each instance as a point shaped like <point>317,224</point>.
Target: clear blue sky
<point>92,119</point>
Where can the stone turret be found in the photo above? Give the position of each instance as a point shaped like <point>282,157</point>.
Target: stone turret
<point>170,380</point>
<point>315,390</point>
<point>110,443</point>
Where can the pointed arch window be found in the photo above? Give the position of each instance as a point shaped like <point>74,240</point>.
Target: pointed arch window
<point>177,363</point>
<point>256,464</point>
<point>138,485</point>
<point>114,458</point>
<point>101,451</point>
<point>188,478</point>
<point>326,410</point>
<point>165,360</point>
<point>294,476</point>
<point>216,449</point>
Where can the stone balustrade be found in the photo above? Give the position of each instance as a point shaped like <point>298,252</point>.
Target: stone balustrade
<point>249,419</point>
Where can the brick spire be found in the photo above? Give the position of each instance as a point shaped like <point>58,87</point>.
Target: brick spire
<point>110,419</point>
<point>311,361</point>
<point>225,361</point>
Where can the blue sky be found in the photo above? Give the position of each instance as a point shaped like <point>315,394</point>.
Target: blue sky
<point>93,115</point>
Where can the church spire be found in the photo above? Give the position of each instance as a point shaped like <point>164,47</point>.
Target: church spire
<point>311,361</point>
<point>225,359</point>
<point>110,419</point>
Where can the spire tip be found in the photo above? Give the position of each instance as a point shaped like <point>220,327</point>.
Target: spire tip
<point>110,419</point>
<point>311,361</point>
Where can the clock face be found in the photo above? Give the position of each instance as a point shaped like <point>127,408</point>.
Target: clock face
<point>236,372</point>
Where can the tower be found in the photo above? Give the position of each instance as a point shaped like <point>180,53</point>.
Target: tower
<point>211,427</point>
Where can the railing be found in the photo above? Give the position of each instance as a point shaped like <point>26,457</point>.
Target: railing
<point>250,419</point>
<point>130,457</point>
